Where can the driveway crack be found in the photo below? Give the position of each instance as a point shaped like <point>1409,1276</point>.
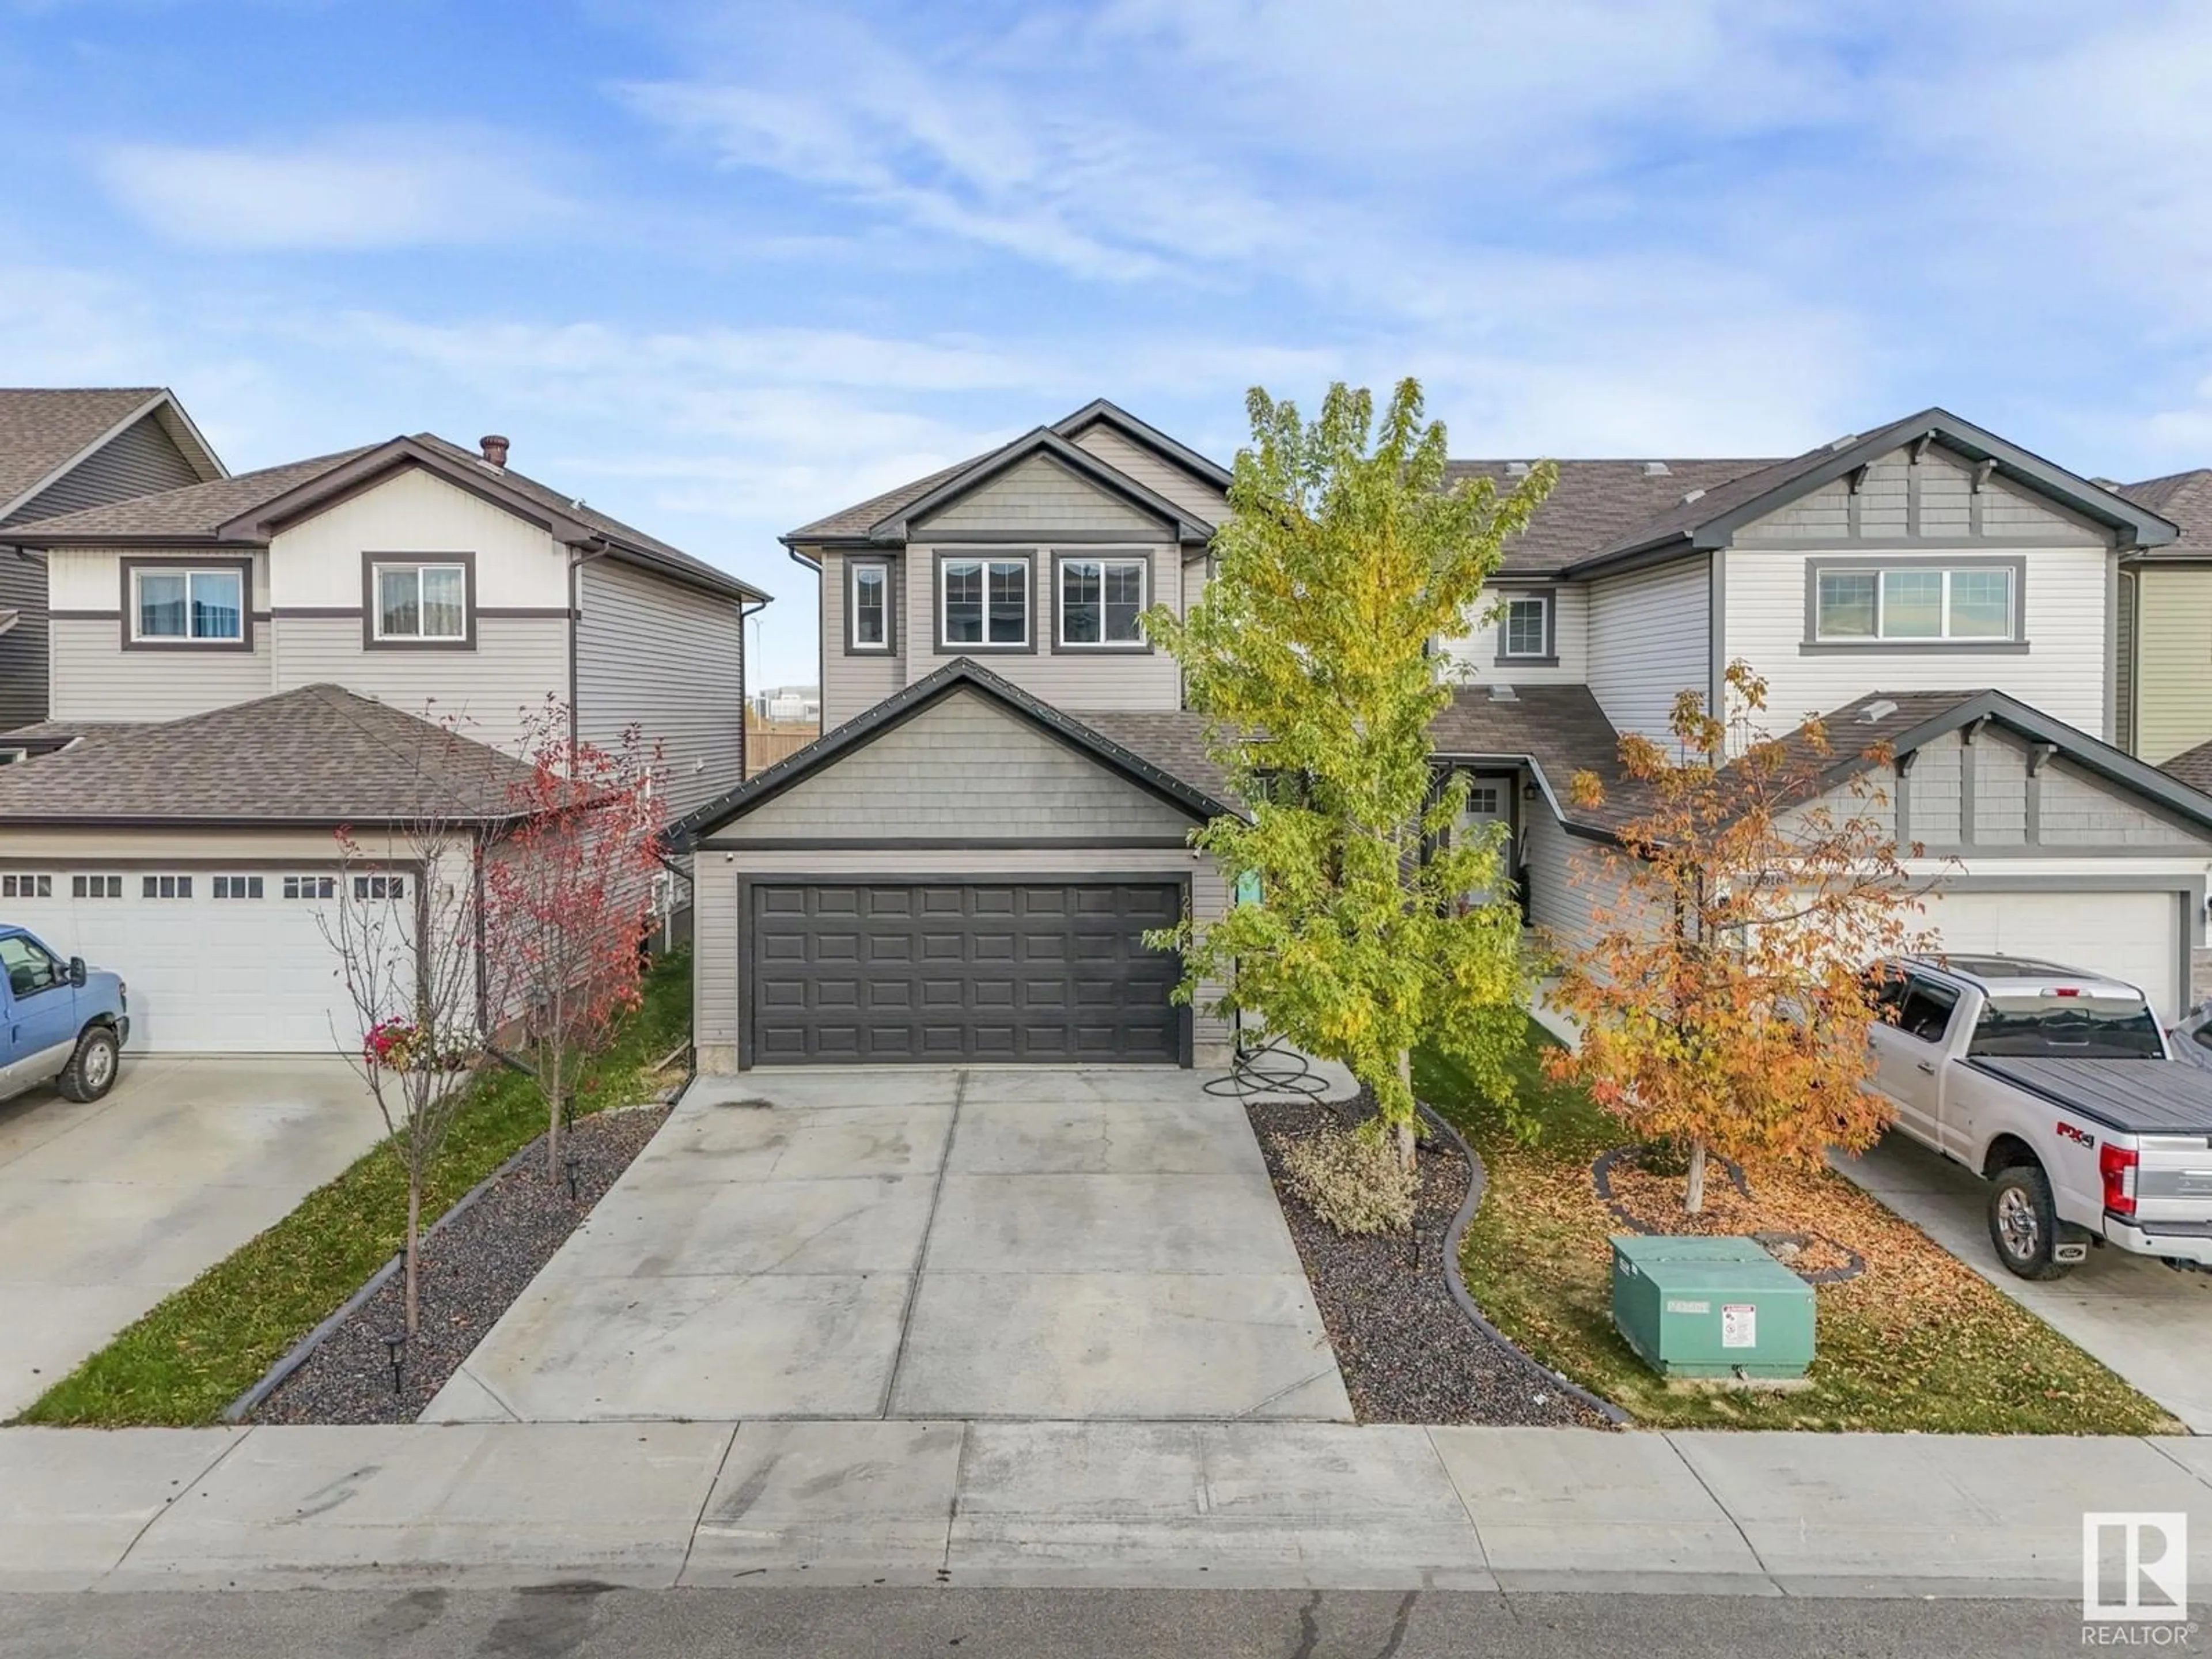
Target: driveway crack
<point>921,1254</point>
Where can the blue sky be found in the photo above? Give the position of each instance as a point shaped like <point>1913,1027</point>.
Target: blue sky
<point>722,268</point>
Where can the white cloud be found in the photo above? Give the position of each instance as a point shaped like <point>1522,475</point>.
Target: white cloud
<point>362,188</point>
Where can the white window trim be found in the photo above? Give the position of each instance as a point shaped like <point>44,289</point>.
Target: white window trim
<point>139,634</point>
<point>1063,557</point>
<point>854,643</point>
<point>1025,562</point>
<point>376,572</point>
<point>1543,604</point>
<point>2011,572</point>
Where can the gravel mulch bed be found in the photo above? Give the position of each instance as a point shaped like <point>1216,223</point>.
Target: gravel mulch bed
<point>1408,1352</point>
<point>472,1271</point>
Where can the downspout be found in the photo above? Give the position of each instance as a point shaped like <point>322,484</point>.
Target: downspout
<point>577,561</point>
<point>744,704</point>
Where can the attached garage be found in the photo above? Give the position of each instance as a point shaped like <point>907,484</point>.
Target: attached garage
<point>198,859</point>
<point>230,960</point>
<point>964,875</point>
<point>952,972</point>
<point>2133,936</point>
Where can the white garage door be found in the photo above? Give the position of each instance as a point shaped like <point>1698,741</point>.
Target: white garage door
<point>246,972</point>
<point>2131,935</point>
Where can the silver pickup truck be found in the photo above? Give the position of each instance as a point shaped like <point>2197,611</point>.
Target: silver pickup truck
<point>2056,1086</point>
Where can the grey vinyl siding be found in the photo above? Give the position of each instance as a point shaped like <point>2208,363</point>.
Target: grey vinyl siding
<point>1947,495</point>
<point>518,663</point>
<point>671,660</point>
<point>139,461</point>
<point>2077,810</point>
<point>93,678</point>
<point>718,990</point>
<point>2009,511</point>
<point>1568,880</point>
<point>1649,640</point>
<point>2000,792</point>
<point>1163,476</point>
<point>962,767</point>
<point>1933,792</point>
<point>1823,515</point>
<point>1042,494</point>
<point>1073,680</point>
<point>851,684</point>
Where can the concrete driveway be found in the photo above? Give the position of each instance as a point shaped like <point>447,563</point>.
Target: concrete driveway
<point>106,1208</point>
<point>930,1244</point>
<point>2150,1324</point>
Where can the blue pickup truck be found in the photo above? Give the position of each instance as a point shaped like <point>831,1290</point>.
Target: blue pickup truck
<point>63,1024</point>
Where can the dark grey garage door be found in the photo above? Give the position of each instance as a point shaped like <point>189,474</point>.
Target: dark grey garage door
<point>938,972</point>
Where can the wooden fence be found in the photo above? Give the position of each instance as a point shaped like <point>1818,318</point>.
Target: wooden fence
<point>766,745</point>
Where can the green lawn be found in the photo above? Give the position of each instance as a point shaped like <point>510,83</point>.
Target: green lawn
<point>200,1348</point>
<point>1917,1342</point>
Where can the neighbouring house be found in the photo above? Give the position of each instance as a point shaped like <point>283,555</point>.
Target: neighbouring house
<point>425,577</point>
<point>64,449</point>
<point>964,867</point>
<point>2165,622</point>
<point>198,857</point>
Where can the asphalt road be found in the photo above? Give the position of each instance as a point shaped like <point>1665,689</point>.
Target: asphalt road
<point>886,1624</point>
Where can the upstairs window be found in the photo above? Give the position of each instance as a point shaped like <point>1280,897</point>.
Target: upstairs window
<point>172,605</point>
<point>984,602</point>
<point>869,603</point>
<point>420,604</point>
<point>1970,604</point>
<point>1100,601</point>
<point>1525,628</point>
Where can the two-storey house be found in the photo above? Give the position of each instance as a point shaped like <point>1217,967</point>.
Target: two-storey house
<point>964,865</point>
<point>223,658</point>
<point>62,449</point>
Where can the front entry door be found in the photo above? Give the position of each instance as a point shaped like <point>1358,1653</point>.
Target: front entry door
<point>1490,802</point>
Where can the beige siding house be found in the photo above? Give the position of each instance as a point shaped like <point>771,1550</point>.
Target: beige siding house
<point>379,596</point>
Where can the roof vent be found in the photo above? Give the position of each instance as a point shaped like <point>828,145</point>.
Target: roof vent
<point>495,449</point>
<point>1504,693</point>
<point>1656,469</point>
<point>1876,712</point>
<point>2112,485</point>
<point>1516,469</point>
<point>1845,441</point>
<point>1689,496</point>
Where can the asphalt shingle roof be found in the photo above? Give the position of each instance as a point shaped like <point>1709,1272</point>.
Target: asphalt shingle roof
<point>319,754</point>
<point>43,427</point>
<point>1595,504</point>
<point>862,516</point>
<point>193,512</point>
<point>2193,768</point>
<point>2185,499</point>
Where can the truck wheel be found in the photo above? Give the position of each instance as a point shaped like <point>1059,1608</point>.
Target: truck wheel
<point>2024,1223</point>
<point>91,1071</point>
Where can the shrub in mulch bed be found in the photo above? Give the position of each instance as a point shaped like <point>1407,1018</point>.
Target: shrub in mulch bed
<point>1408,1352</point>
<point>472,1271</point>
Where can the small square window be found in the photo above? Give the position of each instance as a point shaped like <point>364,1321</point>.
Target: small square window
<point>311,887</point>
<point>1525,629</point>
<point>180,606</point>
<point>379,887</point>
<point>168,887</point>
<point>238,887</point>
<point>427,602</point>
<point>1101,601</point>
<point>27,886</point>
<point>96,887</point>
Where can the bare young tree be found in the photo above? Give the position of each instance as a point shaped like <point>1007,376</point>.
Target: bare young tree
<point>404,921</point>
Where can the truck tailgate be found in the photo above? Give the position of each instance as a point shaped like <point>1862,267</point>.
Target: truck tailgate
<point>2174,1180</point>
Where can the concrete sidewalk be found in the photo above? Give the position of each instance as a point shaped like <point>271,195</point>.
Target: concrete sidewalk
<point>1094,1504</point>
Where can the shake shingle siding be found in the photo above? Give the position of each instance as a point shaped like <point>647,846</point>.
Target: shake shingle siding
<point>670,659</point>
<point>1038,494</point>
<point>1157,473</point>
<point>962,769</point>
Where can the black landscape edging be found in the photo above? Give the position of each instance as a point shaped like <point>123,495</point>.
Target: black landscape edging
<point>274,1377</point>
<point>1477,1182</point>
<point>1854,1263</point>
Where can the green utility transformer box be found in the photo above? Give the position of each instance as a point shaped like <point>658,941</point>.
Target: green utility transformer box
<point>1711,1307</point>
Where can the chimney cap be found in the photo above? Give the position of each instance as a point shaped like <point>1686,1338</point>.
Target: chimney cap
<point>494,448</point>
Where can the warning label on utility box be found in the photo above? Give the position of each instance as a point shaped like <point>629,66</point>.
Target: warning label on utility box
<point>1739,1325</point>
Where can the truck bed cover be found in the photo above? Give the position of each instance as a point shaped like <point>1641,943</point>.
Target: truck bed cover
<point>2135,1096</point>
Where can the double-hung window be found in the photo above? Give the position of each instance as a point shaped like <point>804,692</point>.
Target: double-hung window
<point>1100,601</point>
<point>419,601</point>
<point>1525,628</point>
<point>1967,604</point>
<point>868,603</point>
<point>983,602</point>
<point>173,605</point>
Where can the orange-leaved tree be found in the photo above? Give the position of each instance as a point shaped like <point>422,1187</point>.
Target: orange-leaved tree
<point>1722,991</point>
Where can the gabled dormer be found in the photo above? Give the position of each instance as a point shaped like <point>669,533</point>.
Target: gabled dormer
<point>1040,556</point>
